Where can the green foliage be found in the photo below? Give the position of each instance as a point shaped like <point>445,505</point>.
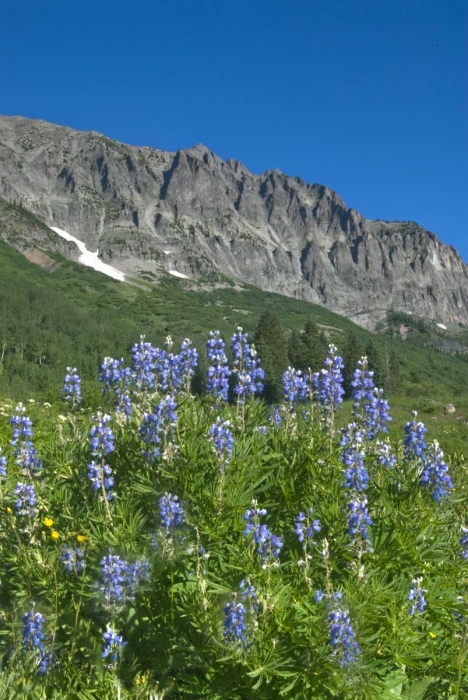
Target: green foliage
<point>272,347</point>
<point>173,629</point>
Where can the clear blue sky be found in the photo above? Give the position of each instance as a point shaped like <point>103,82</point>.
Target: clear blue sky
<point>367,96</point>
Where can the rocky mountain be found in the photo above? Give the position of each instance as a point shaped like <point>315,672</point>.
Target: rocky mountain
<point>193,214</point>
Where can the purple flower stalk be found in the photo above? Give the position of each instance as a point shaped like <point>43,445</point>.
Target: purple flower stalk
<point>294,386</point>
<point>24,450</point>
<point>217,380</point>
<point>73,559</point>
<point>72,387</point>
<point>26,501</point>
<point>267,544</point>
<point>246,366</point>
<point>328,383</point>
<point>171,513</point>
<point>358,518</point>
<point>464,542</point>
<point>3,466</point>
<point>112,644</point>
<point>416,596</point>
<point>223,442</point>
<point>414,442</point>
<point>33,640</point>
<point>306,528</point>
<point>435,473</point>
<point>101,479</point>
<point>157,428</point>
<point>101,436</point>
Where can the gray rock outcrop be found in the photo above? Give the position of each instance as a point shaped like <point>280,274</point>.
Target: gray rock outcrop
<point>192,212</point>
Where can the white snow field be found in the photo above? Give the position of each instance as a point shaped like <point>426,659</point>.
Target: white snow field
<point>91,259</point>
<point>174,273</point>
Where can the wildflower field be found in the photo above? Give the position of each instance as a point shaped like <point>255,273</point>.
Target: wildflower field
<point>164,545</point>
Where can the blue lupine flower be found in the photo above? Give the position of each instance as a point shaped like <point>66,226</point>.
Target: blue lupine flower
<point>378,415</point>
<point>33,639</point>
<point>26,500</point>
<point>72,387</point>
<point>114,375</point>
<point>294,386</point>
<point>414,442</point>
<point>102,437</point>
<point>386,458</point>
<point>3,466</point>
<point>217,380</point>
<point>113,581</point>
<point>363,386</point>
<point>144,357</point>
<point>120,580</point>
<point>73,559</point>
<point>188,360</point>
<point>274,416</point>
<point>246,366</point>
<point>435,473</point>
<point>158,426</point>
<point>358,517</point>
<point>25,452</point>
<point>112,643</point>
<point>416,595</point>
<point>319,596</point>
<point>352,456</point>
<point>342,636</point>
<point>268,545</point>
<point>305,529</point>
<point>171,512</point>
<point>370,409</point>
<point>464,542</point>
<point>101,478</point>
<point>135,575</point>
<point>234,623</point>
<point>223,441</point>
<point>262,429</point>
<point>248,593</point>
<point>328,382</point>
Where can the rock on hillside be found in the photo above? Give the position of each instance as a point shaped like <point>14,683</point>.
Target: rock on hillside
<point>193,213</point>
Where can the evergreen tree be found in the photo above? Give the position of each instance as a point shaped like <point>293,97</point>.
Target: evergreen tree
<point>376,364</point>
<point>352,353</point>
<point>393,372</point>
<point>295,350</point>
<point>315,344</point>
<point>271,345</point>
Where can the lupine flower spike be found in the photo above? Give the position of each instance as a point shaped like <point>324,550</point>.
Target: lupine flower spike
<point>416,596</point>
<point>72,388</point>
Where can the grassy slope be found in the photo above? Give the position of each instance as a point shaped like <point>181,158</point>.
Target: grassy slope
<point>49,320</point>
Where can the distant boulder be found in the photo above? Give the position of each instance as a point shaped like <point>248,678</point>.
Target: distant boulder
<point>449,408</point>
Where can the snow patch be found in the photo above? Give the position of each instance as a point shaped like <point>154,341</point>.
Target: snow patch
<point>441,325</point>
<point>90,259</point>
<point>167,252</point>
<point>175,273</point>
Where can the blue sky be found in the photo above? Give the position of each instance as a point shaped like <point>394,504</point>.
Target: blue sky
<point>366,97</point>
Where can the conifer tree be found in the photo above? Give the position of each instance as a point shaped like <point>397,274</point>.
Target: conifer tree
<point>393,372</point>
<point>271,345</point>
<point>376,364</point>
<point>352,353</point>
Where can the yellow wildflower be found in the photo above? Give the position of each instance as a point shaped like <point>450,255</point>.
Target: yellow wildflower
<point>8,510</point>
<point>54,534</point>
<point>48,522</point>
<point>80,538</point>
<point>432,635</point>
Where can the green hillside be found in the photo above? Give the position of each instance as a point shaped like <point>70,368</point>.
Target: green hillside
<point>66,314</point>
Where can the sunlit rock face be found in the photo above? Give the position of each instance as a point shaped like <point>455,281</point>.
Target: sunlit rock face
<point>190,213</point>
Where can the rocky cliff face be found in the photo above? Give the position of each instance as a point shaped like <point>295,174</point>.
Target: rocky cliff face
<point>191,212</point>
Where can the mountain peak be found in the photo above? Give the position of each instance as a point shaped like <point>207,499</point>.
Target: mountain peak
<point>194,214</point>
